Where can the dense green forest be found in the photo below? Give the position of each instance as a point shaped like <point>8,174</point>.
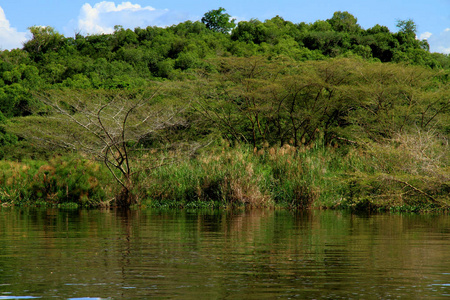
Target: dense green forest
<point>213,113</point>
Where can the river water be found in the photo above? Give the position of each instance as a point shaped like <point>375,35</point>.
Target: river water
<point>253,254</point>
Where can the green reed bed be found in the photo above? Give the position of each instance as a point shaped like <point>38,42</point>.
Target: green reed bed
<point>396,174</point>
<point>408,172</point>
<point>222,176</point>
<point>275,176</point>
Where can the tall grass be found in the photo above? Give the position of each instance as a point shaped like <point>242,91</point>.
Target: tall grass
<point>409,171</point>
<point>225,176</point>
<point>286,176</point>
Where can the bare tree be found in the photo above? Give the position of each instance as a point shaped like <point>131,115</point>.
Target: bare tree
<point>109,127</point>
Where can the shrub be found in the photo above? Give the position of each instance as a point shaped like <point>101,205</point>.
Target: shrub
<point>57,181</point>
<point>409,169</point>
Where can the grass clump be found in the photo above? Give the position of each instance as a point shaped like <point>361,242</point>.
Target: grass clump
<point>233,176</point>
<point>65,181</point>
<point>223,176</point>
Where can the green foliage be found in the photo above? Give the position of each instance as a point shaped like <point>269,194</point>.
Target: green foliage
<point>408,27</point>
<point>268,83</point>
<point>16,100</point>
<point>187,60</point>
<point>249,31</point>
<point>321,26</point>
<point>344,21</point>
<point>50,59</point>
<point>257,100</point>
<point>57,181</point>
<point>219,21</point>
<point>44,39</point>
<point>6,139</point>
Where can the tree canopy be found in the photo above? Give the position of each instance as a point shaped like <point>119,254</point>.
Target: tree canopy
<point>407,26</point>
<point>260,83</point>
<point>219,21</point>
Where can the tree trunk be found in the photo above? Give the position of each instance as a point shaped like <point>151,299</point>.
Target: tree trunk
<point>126,197</point>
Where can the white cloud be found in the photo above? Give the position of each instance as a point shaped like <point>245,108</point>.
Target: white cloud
<point>425,36</point>
<point>10,38</point>
<point>103,16</point>
<point>441,42</point>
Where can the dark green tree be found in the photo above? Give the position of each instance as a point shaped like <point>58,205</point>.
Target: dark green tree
<point>407,26</point>
<point>344,21</point>
<point>250,31</point>
<point>45,38</point>
<point>219,21</point>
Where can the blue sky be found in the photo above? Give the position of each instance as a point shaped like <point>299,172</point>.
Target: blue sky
<point>432,17</point>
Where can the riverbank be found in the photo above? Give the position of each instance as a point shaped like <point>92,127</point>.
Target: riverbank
<point>397,175</point>
<point>271,114</point>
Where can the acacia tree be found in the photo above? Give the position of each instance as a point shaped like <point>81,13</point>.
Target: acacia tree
<point>238,98</point>
<point>257,100</point>
<point>112,128</point>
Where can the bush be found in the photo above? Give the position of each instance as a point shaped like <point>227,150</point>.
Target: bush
<point>409,169</point>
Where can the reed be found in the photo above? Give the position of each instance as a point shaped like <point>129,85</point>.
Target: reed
<point>278,176</point>
<point>229,176</point>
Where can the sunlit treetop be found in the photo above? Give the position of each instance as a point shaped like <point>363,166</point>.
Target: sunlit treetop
<point>219,21</point>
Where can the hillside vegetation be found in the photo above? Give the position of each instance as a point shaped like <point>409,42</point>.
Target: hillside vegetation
<point>213,113</point>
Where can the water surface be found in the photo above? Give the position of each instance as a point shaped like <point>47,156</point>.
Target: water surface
<point>255,254</point>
